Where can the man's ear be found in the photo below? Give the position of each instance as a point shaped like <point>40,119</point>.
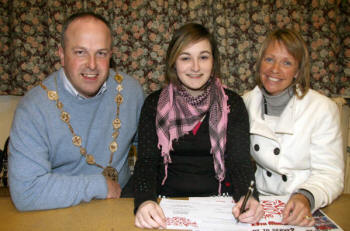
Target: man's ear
<point>61,54</point>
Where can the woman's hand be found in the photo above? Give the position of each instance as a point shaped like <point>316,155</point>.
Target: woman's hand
<point>253,213</point>
<point>150,215</point>
<point>297,211</point>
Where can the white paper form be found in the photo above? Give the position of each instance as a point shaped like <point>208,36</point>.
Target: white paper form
<point>204,214</point>
<point>178,214</point>
<point>215,213</point>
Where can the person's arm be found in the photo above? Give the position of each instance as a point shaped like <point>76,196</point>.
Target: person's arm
<point>33,185</point>
<point>326,179</point>
<point>148,155</point>
<point>148,213</point>
<point>240,168</point>
<point>239,165</point>
<point>325,182</point>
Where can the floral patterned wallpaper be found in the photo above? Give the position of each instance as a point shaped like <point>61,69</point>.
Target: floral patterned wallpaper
<point>30,34</point>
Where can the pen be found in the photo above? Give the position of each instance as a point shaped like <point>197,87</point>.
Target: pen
<point>245,200</point>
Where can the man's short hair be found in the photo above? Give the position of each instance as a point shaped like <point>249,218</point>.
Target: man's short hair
<point>84,14</point>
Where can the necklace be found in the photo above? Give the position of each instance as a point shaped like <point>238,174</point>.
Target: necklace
<point>108,171</point>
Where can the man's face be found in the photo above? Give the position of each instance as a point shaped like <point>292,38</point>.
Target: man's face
<point>86,55</point>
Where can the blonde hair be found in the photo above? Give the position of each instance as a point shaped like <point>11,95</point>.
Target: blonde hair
<point>296,46</point>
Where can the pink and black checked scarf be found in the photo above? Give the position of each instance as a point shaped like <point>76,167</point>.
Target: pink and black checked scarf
<point>178,113</point>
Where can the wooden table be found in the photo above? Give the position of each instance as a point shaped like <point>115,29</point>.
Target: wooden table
<point>339,211</point>
<point>110,215</point>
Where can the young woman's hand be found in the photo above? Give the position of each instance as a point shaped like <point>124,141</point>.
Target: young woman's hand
<point>150,215</point>
<point>253,212</point>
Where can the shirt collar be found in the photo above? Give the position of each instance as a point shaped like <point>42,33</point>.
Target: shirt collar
<point>70,88</point>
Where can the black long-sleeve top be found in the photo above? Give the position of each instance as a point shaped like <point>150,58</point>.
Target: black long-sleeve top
<point>191,172</point>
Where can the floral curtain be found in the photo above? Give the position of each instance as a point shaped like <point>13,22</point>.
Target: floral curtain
<point>30,35</point>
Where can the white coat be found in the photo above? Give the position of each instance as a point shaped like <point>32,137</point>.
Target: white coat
<point>305,150</point>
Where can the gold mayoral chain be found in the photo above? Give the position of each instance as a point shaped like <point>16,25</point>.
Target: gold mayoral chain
<point>108,171</point>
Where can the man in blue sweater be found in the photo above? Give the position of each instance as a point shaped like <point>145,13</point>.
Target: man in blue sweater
<point>71,135</point>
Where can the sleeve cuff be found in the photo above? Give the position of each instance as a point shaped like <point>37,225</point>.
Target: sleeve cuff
<point>98,187</point>
<point>309,196</point>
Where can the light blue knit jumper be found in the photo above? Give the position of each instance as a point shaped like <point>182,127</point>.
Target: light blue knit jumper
<point>45,169</point>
